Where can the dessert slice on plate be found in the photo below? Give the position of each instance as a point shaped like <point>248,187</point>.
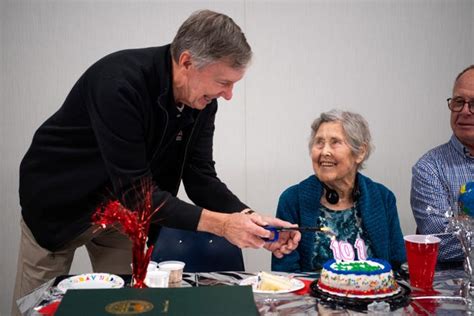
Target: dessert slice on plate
<point>269,283</point>
<point>272,282</point>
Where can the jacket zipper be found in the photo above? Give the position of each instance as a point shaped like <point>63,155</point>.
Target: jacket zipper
<point>164,130</point>
<point>163,136</point>
<point>186,152</point>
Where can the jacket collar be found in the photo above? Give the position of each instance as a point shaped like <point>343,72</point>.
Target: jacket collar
<point>163,73</point>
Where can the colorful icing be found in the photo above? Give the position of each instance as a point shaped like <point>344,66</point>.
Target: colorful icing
<point>356,266</point>
<point>370,266</point>
<point>370,278</point>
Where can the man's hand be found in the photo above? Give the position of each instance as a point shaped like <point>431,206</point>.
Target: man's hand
<point>242,230</point>
<point>287,242</point>
<point>245,230</point>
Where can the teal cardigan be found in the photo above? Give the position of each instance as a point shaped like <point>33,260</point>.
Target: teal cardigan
<point>300,204</point>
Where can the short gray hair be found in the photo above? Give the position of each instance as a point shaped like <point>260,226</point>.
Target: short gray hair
<point>355,127</point>
<point>209,37</point>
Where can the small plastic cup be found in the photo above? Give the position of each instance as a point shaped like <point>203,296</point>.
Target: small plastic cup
<point>152,266</point>
<point>175,268</point>
<point>422,254</point>
<point>157,278</point>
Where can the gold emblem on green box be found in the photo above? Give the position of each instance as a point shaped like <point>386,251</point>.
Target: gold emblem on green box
<point>129,307</point>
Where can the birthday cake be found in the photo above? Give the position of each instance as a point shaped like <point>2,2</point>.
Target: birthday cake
<point>371,278</point>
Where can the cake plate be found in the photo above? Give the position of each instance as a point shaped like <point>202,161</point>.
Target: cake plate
<point>400,299</point>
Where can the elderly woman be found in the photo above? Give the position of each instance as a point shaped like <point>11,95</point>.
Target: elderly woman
<point>339,197</point>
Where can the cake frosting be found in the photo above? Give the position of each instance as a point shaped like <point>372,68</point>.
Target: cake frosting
<point>371,278</point>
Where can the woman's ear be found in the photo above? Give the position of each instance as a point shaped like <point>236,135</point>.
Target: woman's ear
<point>361,155</point>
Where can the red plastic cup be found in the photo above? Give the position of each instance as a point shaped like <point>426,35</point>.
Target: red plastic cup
<point>422,253</point>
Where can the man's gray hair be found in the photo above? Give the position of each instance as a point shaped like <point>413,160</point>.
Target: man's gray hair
<point>355,127</point>
<point>209,37</point>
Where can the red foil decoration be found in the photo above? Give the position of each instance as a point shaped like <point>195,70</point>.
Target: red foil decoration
<point>135,224</point>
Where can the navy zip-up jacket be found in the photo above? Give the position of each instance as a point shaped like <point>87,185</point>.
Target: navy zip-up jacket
<point>111,132</point>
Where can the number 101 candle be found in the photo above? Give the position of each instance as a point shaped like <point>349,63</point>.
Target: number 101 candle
<point>343,251</point>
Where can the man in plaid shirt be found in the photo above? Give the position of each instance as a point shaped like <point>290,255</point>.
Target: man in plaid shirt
<point>439,174</point>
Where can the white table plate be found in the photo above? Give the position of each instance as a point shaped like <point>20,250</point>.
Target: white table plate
<point>91,281</point>
<point>253,281</point>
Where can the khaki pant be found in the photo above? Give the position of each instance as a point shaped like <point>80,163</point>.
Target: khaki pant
<point>109,251</point>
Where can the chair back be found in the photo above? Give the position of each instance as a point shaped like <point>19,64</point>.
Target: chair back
<point>202,252</point>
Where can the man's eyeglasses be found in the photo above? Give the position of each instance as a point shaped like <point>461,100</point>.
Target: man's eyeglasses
<point>457,104</point>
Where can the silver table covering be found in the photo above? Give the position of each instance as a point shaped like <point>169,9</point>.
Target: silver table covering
<point>445,299</point>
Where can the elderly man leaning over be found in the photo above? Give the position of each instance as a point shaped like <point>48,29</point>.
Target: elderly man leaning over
<point>439,174</point>
<point>136,115</point>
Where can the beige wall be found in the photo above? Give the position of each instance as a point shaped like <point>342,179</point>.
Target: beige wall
<point>392,61</point>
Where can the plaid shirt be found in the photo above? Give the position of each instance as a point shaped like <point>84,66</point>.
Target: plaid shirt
<point>437,178</point>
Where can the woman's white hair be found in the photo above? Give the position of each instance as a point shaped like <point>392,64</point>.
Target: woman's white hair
<point>355,127</point>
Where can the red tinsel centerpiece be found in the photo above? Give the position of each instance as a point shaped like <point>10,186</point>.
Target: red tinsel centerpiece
<point>135,224</point>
